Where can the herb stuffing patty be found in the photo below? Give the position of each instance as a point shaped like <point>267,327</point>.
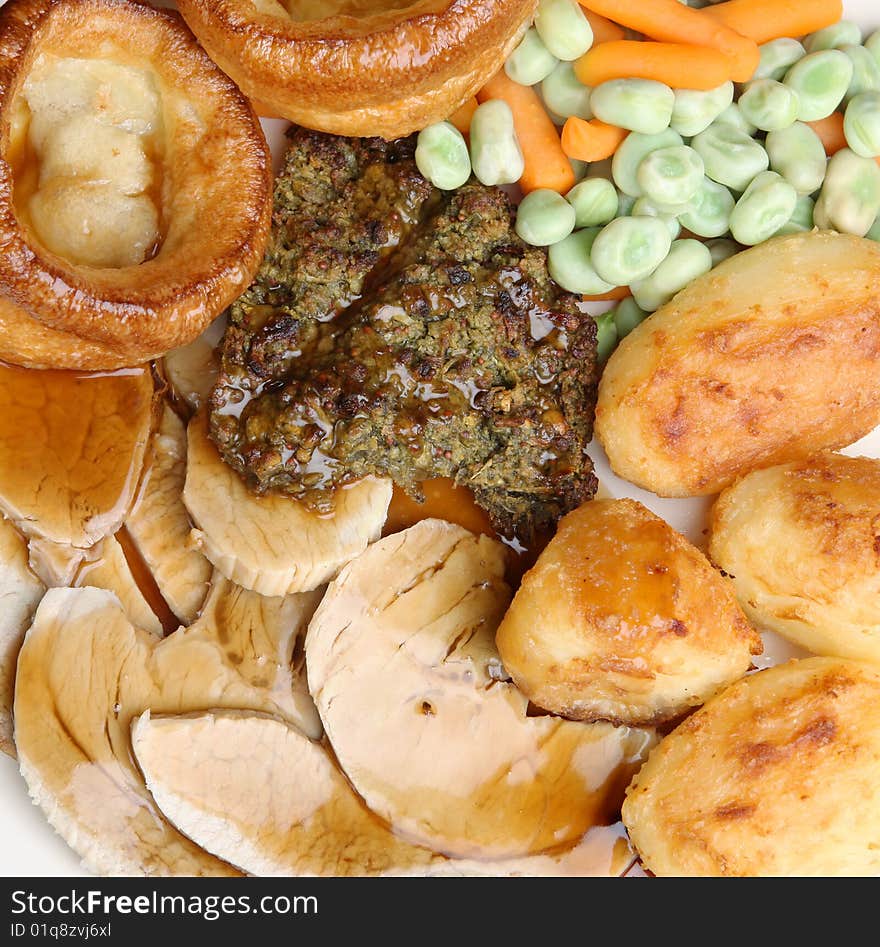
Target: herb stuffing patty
<point>400,331</point>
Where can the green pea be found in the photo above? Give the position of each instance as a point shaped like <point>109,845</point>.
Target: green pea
<point>633,150</point>
<point>866,72</point>
<point>562,26</point>
<point>694,111</point>
<point>731,157</point>
<point>565,95</point>
<point>531,61</point>
<point>687,259</point>
<point>801,221</point>
<point>442,156</point>
<point>850,197</point>
<point>627,315</point>
<point>861,124</point>
<point>767,203</point>
<point>640,105</point>
<point>769,105</point>
<point>595,202</point>
<point>606,335</point>
<point>630,249</point>
<point>872,44</point>
<point>721,250</point>
<point>874,232</point>
<point>671,176</point>
<point>777,57</point>
<point>571,267</point>
<point>495,153</point>
<point>644,207</point>
<point>836,36</point>
<point>820,80</point>
<point>733,115</point>
<point>709,210</point>
<point>544,217</point>
<point>797,153</point>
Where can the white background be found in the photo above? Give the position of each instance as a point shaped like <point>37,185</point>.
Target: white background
<point>28,845</point>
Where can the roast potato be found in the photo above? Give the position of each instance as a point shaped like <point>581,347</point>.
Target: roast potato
<point>622,619</point>
<point>743,369</point>
<point>802,544</point>
<point>777,775</point>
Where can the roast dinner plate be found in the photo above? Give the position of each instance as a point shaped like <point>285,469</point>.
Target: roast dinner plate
<point>31,847</point>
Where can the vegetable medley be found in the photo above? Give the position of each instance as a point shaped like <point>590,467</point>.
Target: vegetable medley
<point>653,140</point>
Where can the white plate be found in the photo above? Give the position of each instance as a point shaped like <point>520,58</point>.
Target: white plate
<point>30,847</point>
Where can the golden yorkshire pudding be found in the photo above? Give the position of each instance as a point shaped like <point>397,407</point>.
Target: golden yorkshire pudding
<point>135,184</point>
<point>359,67</point>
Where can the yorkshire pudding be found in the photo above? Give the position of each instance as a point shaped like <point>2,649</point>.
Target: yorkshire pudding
<point>135,184</point>
<point>359,67</point>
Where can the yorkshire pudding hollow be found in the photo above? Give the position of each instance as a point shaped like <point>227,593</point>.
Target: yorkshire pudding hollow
<point>359,67</point>
<point>135,184</point>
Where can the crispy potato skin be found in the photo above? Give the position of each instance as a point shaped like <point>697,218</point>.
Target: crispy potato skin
<point>777,775</point>
<point>743,369</point>
<point>622,619</point>
<point>802,544</point>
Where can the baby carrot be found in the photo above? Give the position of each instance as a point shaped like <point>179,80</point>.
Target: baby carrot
<point>462,116</point>
<point>604,31</point>
<point>671,22</point>
<point>591,141</point>
<point>679,66</point>
<point>545,162</point>
<point>763,20</point>
<point>830,131</point>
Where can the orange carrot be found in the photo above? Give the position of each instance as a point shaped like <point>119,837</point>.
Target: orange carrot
<point>591,141</point>
<point>679,66</point>
<point>763,20</point>
<point>670,22</point>
<point>604,31</point>
<point>830,131</point>
<point>613,295</point>
<point>545,162</point>
<point>462,116</point>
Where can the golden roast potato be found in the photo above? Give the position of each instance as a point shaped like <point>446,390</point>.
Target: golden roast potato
<point>778,775</point>
<point>622,619</point>
<point>802,544</point>
<point>744,368</point>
